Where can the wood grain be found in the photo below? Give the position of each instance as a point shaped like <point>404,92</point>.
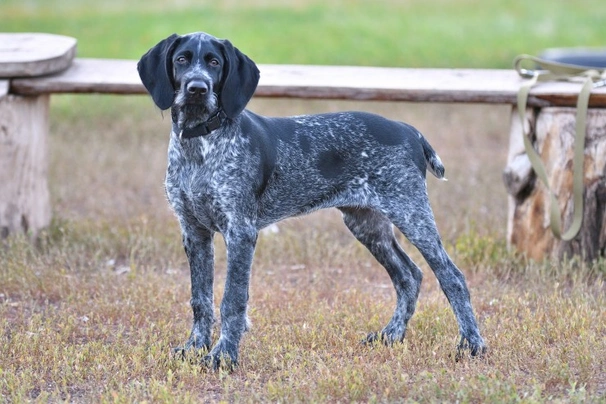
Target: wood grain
<point>24,195</point>
<point>33,54</point>
<point>330,82</point>
<point>4,84</point>
<point>528,227</point>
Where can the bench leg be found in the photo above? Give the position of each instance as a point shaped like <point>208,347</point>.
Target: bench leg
<point>24,196</point>
<point>553,131</point>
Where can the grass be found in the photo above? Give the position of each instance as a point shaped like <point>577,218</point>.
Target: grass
<point>438,33</point>
<point>91,312</point>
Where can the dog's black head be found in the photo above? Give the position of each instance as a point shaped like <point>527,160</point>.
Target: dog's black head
<point>197,74</point>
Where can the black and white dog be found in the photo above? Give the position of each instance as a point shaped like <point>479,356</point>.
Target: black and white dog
<point>235,172</point>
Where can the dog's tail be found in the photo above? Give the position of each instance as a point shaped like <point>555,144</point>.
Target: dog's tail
<point>434,164</point>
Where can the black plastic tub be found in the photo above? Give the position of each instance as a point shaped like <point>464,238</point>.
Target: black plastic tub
<point>589,57</point>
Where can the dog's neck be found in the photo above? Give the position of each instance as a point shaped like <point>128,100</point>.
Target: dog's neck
<point>215,121</point>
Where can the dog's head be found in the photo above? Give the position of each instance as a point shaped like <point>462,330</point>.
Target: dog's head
<point>197,74</point>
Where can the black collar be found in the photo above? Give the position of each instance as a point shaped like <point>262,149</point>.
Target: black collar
<point>214,122</point>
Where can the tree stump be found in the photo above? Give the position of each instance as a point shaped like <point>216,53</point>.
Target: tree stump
<point>553,131</point>
<point>24,196</point>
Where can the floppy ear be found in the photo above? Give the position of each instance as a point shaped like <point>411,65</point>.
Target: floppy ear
<point>240,79</point>
<point>156,72</point>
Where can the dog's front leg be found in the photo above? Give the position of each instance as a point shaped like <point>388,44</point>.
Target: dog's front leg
<point>198,245</point>
<point>240,244</point>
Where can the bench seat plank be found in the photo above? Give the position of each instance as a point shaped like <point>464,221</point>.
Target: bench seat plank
<point>330,82</point>
<point>108,76</point>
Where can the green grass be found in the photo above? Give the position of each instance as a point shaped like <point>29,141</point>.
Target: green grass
<point>439,33</point>
<point>91,312</point>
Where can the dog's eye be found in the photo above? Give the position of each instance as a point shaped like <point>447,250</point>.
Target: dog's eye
<point>213,62</point>
<point>181,60</point>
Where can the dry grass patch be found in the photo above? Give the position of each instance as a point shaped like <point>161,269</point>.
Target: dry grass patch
<point>91,313</point>
<point>93,330</point>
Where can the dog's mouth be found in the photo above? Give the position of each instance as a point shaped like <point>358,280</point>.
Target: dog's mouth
<point>192,110</point>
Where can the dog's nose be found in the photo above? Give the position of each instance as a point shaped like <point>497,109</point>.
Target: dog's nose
<point>196,87</point>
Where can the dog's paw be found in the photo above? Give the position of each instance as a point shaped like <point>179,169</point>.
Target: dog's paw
<point>383,337</point>
<point>190,354</point>
<point>192,349</point>
<point>371,339</point>
<point>393,333</point>
<point>476,348</point>
<point>224,355</point>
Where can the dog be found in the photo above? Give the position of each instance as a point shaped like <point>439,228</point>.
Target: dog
<point>235,172</point>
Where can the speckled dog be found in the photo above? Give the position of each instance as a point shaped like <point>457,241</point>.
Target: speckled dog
<point>235,172</point>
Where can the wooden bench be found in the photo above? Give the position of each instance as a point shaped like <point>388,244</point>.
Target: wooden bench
<point>487,86</point>
<point>550,114</point>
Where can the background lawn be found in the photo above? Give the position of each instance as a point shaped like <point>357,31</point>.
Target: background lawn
<point>90,314</point>
<point>415,33</point>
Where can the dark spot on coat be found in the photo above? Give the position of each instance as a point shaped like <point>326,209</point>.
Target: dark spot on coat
<point>331,164</point>
<point>392,133</point>
<point>387,133</point>
<point>305,144</point>
<point>262,144</point>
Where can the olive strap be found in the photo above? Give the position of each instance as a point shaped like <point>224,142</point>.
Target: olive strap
<point>550,71</point>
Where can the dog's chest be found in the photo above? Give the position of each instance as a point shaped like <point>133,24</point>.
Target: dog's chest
<point>200,182</point>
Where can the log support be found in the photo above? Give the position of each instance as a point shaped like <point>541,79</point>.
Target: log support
<point>24,195</point>
<point>553,130</point>
<point>24,126</point>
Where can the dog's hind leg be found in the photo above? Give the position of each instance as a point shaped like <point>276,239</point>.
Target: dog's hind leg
<point>418,225</point>
<point>375,232</point>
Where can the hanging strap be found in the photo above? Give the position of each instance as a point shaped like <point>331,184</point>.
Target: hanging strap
<point>551,71</point>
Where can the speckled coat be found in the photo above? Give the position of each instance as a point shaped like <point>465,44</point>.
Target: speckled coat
<point>251,171</point>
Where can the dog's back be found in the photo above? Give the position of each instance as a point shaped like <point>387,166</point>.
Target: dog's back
<point>335,159</point>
